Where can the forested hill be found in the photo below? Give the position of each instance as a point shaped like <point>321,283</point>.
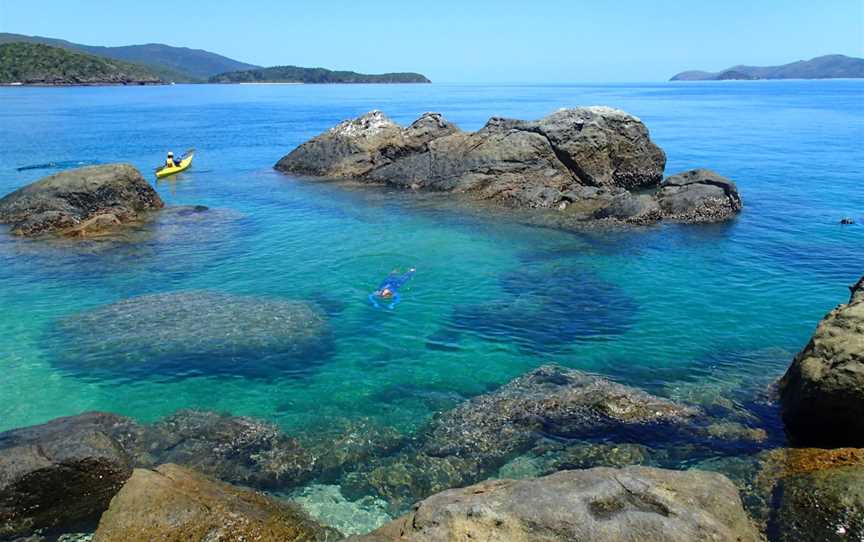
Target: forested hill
<point>294,74</point>
<point>172,63</point>
<point>37,64</point>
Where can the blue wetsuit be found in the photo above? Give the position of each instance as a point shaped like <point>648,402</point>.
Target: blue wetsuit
<point>393,282</point>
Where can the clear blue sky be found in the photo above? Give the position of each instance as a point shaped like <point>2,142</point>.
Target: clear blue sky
<point>485,41</point>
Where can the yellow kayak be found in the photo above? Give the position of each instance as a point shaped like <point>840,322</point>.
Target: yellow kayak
<point>185,162</point>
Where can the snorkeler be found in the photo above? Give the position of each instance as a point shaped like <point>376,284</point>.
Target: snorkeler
<point>389,289</point>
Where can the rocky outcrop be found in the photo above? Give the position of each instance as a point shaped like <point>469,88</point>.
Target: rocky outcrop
<point>699,195</point>
<point>175,504</point>
<point>472,441</point>
<point>822,392</point>
<point>62,473</point>
<point>209,333</point>
<point>582,161</point>
<point>80,202</point>
<point>600,504</point>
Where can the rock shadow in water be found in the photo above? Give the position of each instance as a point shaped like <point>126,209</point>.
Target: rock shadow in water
<point>543,310</point>
<point>193,333</point>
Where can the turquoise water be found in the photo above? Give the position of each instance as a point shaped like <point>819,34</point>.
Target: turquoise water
<point>683,311</point>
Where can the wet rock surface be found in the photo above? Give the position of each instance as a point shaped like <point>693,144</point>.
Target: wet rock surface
<point>235,449</point>
<point>582,161</point>
<point>816,494</point>
<point>822,392</point>
<point>62,473</point>
<point>173,503</point>
<point>698,195</point>
<point>80,202</point>
<point>181,334</point>
<point>635,503</point>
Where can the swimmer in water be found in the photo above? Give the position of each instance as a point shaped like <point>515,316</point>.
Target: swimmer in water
<point>389,289</point>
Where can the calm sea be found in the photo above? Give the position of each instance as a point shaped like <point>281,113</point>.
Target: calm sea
<point>682,311</point>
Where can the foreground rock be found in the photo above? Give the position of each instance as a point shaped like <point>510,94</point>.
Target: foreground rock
<point>62,473</point>
<point>823,390</point>
<point>173,503</point>
<point>600,504</point>
<point>584,161</point>
<point>818,494</point>
<point>180,334</point>
<point>80,202</point>
<point>472,441</point>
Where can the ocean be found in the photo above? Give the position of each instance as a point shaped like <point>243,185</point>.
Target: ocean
<point>683,311</point>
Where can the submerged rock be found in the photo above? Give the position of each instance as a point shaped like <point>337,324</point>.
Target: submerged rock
<point>80,202</point>
<point>473,440</point>
<point>182,334</point>
<point>600,504</point>
<point>61,474</point>
<point>699,195</point>
<point>582,162</point>
<point>344,444</point>
<point>822,392</point>
<point>175,504</point>
<point>551,401</point>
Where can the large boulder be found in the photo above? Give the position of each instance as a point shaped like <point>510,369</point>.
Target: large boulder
<point>599,504</point>
<point>175,504</point>
<point>698,195</point>
<point>63,473</point>
<point>822,392</point>
<point>525,163</point>
<point>180,334</point>
<point>82,201</point>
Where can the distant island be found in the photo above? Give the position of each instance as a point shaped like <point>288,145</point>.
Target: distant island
<point>37,64</point>
<point>153,63</point>
<point>177,64</point>
<point>823,67</point>
<point>295,74</point>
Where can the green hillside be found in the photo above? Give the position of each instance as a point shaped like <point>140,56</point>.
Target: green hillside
<point>37,64</point>
<point>294,74</point>
<point>179,64</point>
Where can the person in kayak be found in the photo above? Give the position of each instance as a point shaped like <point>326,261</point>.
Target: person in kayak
<point>389,289</point>
<point>170,161</point>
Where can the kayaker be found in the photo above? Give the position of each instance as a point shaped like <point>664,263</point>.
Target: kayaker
<point>170,161</point>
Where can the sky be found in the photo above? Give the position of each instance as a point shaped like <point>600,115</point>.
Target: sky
<point>481,41</point>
